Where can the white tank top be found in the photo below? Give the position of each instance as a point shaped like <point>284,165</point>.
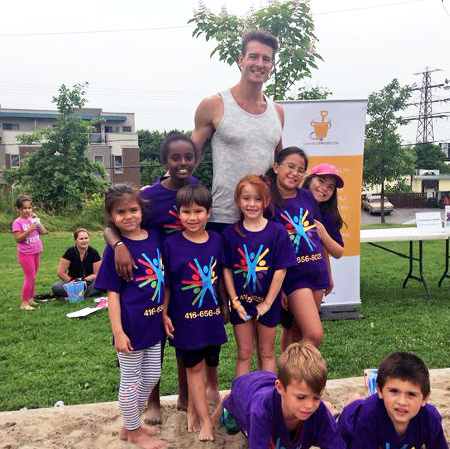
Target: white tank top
<point>243,143</point>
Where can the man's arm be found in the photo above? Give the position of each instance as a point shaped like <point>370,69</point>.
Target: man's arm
<point>207,116</point>
<point>280,111</point>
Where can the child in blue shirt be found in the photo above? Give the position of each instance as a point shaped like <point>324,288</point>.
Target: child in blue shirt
<point>397,416</point>
<point>284,411</point>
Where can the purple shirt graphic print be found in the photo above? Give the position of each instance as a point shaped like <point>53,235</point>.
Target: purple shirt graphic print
<point>193,272</point>
<point>253,258</point>
<point>142,298</point>
<point>297,216</point>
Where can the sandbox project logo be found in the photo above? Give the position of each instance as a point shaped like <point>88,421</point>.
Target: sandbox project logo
<point>320,130</point>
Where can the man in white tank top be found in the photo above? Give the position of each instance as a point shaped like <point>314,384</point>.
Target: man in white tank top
<point>244,126</point>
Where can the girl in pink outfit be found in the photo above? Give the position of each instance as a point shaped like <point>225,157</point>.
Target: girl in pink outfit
<point>27,229</point>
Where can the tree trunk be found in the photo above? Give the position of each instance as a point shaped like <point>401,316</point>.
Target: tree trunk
<point>382,203</point>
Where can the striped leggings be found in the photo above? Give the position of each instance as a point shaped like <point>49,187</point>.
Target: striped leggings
<point>139,373</point>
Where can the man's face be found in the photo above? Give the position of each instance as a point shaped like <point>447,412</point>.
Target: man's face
<point>257,62</point>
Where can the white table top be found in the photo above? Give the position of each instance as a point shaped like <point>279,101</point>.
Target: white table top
<point>399,234</point>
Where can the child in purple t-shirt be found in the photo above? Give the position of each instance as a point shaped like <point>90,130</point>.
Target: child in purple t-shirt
<point>305,283</point>
<point>27,229</point>
<point>284,411</point>
<point>257,252</point>
<point>135,310</point>
<point>192,306</point>
<point>323,181</point>
<point>397,416</point>
<point>177,154</point>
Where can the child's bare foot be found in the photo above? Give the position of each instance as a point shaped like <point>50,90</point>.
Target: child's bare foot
<point>143,440</point>
<point>153,414</point>
<point>206,431</point>
<point>150,431</point>
<point>192,422</point>
<point>26,306</point>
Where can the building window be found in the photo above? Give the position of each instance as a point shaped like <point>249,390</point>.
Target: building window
<point>15,160</point>
<point>112,129</point>
<point>118,164</point>
<point>126,129</point>
<point>98,159</point>
<point>11,126</point>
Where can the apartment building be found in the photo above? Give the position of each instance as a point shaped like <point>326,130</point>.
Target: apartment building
<point>114,143</point>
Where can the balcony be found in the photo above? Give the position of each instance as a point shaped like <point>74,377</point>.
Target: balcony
<point>96,138</point>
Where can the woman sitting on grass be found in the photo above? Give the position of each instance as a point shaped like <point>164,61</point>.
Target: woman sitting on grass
<point>80,261</point>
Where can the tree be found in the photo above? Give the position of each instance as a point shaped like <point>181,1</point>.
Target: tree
<point>149,145</point>
<point>430,156</point>
<point>58,175</point>
<point>289,20</point>
<point>384,157</point>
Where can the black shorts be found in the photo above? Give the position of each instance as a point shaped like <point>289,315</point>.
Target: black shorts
<point>286,318</point>
<point>192,357</point>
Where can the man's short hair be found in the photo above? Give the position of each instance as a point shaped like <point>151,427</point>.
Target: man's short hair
<point>303,361</point>
<point>262,36</point>
<point>194,193</point>
<point>404,366</point>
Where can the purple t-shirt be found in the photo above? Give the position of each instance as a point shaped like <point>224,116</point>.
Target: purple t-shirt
<point>160,209</point>
<point>298,215</point>
<point>193,272</point>
<point>331,226</point>
<point>253,259</point>
<point>365,423</point>
<point>32,244</point>
<point>255,404</point>
<point>142,298</point>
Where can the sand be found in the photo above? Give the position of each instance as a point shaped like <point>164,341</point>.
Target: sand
<point>94,426</point>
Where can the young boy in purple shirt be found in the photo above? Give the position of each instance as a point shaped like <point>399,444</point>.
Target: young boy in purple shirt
<point>284,411</point>
<point>397,416</point>
<point>192,308</point>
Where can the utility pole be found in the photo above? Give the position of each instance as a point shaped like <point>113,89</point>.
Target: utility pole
<point>425,132</point>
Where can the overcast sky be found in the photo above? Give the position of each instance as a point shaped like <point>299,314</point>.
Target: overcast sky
<point>139,55</point>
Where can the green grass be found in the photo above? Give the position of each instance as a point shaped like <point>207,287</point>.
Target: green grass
<point>45,357</point>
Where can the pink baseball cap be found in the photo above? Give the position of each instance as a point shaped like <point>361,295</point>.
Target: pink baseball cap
<point>327,170</point>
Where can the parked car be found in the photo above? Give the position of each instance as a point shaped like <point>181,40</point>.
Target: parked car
<point>372,204</point>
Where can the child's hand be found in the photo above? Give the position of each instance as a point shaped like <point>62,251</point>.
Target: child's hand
<point>262,308</point>
<point>168,326</point>
<point>320,229</point>
<point>33,226</point>
<point>124,262</point>
<point>123,343</point>
<point>242,313</point>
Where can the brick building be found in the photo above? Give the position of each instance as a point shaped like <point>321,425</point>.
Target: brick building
<point>114,143</point>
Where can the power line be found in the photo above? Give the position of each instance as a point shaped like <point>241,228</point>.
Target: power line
<point>367,7</point>
<point>425,131</point>
<point>129,30</point>
<point>132,30</point>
